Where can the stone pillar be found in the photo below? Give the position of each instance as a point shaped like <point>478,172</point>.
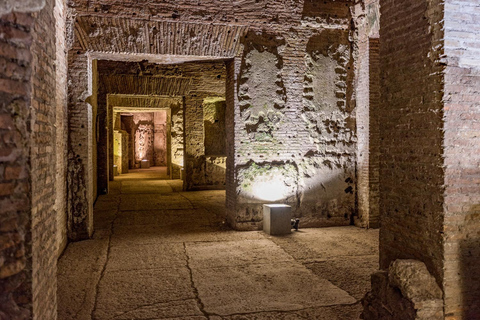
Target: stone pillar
<point>367,20</point>
<point>231,112</point>
<point>80,146</point>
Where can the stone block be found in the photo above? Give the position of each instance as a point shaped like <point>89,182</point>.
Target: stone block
<point>145,164</point>
<point>276,219</point>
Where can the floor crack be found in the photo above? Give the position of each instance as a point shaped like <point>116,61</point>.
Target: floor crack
<point>107,259</point>
<point>201,306</point>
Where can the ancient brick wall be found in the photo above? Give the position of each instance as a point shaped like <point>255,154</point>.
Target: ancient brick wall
<point>28,218</point>
<point>61,125</point>
<point>411,130</point>
<point>367,25</point>
<point>160,138</point>
<point>15,190</point>
<point>462,157</point>
<point>81,181</point>
<point>43,169</point>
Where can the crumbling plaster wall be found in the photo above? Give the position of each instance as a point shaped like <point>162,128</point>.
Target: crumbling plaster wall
<point>272,128</point>
<point>295,132</point>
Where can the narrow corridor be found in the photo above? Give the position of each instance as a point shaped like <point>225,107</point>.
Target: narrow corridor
<point>159,253</point>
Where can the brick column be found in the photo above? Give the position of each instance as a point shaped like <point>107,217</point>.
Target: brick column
<point>231,113</point>
<point>80,166</point>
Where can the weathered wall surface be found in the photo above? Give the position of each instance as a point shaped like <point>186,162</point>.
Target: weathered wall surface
<point>43,159</point>
<point>81,146</point>
<point>367,91</point>
<point>462,158</point>
<point>160,138</point>
<point>411,167</point>
<point>30,204</point>
<point>215,141</point>
<point>144,137</point>
<point>61,125</point>
<point>120,150</point>
<point>8,6</point>
<point>15,169</point>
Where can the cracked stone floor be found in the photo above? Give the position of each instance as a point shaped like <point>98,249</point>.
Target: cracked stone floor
<point>160,253</point>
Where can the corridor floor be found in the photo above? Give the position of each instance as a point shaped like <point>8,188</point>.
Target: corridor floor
<point>160,253</point>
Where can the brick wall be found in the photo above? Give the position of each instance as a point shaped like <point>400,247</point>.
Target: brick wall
<point>61,125</point>
<point>462,158</point>
<point>28,171</point>
<point>231,98</point>
<point>15,190</point>
<point>80,146</point>
<point>366,20</point>
<point>43,159</point>
<point>411,131</point>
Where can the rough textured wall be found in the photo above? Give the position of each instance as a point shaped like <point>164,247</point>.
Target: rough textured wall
<point>42,159</point>
<point>329,166</point>
<point>367,91</point>
<point>120,150</point>
<point>61,125</point>
<point>81,145</point>
<point>160,138</point>
<point>295,138</point>
<point>7,6</point>
<point>411,166</point>
<point>144,135</point>
<point>462,159</point>
<point>127,125</point>
<point>15,190</point>
<point>215,141</point>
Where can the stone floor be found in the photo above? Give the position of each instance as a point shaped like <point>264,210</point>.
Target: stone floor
<point>160,253</point>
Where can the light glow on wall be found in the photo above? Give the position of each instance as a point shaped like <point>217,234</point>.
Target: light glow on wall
<point>273,189</point>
